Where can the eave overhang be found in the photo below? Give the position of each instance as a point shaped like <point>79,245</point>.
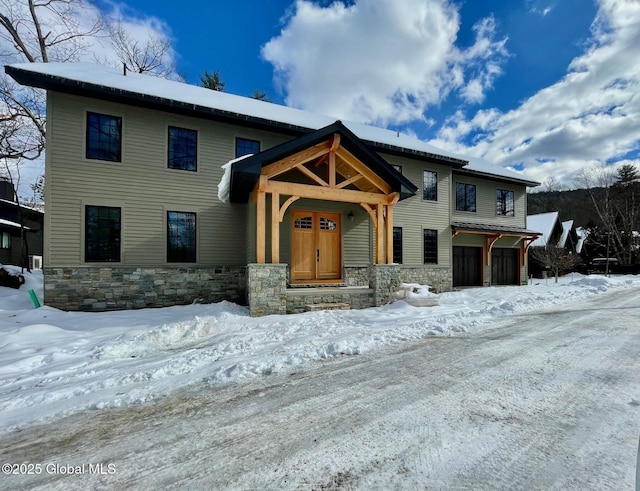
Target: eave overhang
<point>505,230</point>
<point>496,177</point>
<point>111,94</point>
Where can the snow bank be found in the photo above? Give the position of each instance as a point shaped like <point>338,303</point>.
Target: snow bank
<point>54,363</point>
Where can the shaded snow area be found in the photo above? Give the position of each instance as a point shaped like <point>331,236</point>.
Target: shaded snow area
<point>54,363</point>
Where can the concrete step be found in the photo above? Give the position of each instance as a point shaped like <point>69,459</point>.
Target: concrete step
<point>327,306</point>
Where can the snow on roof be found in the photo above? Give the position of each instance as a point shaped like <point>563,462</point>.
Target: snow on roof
<point>543,223</point>
<point>9,223</point>
<point>169,90</point>
<point>566,229</point>
<point>26,206</point>
<point>582,234</point>
<point>224,186</point>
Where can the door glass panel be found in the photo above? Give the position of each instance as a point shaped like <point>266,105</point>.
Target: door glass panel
<point>326,224</point>
<point>303,222</point>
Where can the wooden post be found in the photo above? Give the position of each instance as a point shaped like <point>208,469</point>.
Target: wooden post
<point>275,228</point>
<point>380,235</point>
<point>332,169</point>
<point>389,234</point>
<point>260,227</point>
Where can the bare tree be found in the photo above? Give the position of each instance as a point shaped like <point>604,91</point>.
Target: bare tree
<point>147,56</point>
<point>557,259</point>
<point>33,31</point>
<point>46,30</point>
<point>614,198</point>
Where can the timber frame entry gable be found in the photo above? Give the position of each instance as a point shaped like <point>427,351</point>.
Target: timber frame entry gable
<point>331,164</point>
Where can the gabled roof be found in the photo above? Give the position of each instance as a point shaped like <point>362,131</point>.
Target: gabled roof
<point>141,90</point>
<point>545,224</point>
<point>245,172</point>
<point>566,230</point>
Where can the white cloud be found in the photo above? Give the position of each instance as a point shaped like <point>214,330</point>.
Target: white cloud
<point>381,61</point>
<point>591,115</point>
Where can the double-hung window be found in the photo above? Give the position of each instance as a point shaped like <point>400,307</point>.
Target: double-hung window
<point>102,229</point>
<point>430,185</point>
<point>244,146</point>
<point>504,203</point>
<point>465,197</point>
<point>181,237</point>
<point>183,149</point>
<point>104,137</point>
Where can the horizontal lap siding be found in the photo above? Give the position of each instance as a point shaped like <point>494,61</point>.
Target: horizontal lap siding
<point>486,202</point>
<point>141,184</point>
<point>415,214</point>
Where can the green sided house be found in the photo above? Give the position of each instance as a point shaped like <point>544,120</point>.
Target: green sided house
<point>162,193</point>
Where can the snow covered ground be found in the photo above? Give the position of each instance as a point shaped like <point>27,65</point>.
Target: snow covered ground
<point>55,363</point>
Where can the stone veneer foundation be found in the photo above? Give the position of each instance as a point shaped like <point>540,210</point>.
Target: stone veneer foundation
<point>113,288</point>
<point>267,289</point>
<point>263,286</point>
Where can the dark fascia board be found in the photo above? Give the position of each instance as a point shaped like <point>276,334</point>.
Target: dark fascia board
<point>427,156</point>
<point>245,173</point>
<point>102,92</point>
<point>497,229</point>
<point>494,177</point>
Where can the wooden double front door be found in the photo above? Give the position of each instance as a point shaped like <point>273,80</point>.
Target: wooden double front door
<point>315,246</point>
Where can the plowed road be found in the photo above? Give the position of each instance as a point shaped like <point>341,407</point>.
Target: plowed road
<point>547,400</point>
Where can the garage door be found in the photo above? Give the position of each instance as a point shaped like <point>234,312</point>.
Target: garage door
<point>504,266</point>
<point>467,266</point>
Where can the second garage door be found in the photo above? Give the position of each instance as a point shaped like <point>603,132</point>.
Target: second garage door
<point>504,266</point>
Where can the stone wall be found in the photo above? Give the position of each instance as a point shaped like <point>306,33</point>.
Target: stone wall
<point>113,288</point>
<point>266,289</point>
<point>440,278</point>
<point>384,279</point>
<point>356,275</point>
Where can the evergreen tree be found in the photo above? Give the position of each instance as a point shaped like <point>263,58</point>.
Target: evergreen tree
<point>261,96</point>
<point>212,81</point>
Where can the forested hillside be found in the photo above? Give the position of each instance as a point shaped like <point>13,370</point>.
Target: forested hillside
<point>572,205</point>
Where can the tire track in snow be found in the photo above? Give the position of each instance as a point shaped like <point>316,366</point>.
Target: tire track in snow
<point>503,408</point>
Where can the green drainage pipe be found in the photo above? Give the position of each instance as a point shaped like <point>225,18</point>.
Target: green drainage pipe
<point>34,299</point>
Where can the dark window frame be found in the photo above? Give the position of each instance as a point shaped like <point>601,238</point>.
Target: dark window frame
<point>430,246</point>
<point>102,242</point>
<point>466,199</point>
<point>246,146</point>
<point>101,133</point>
<point>505,203</point>
<point>182,148</point>
<point>181,248</point>
<point>430,189</point>
<point>397,245</point>
<point>2,241</point>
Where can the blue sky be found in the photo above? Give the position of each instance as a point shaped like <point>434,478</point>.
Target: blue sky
<point>547,87</point>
